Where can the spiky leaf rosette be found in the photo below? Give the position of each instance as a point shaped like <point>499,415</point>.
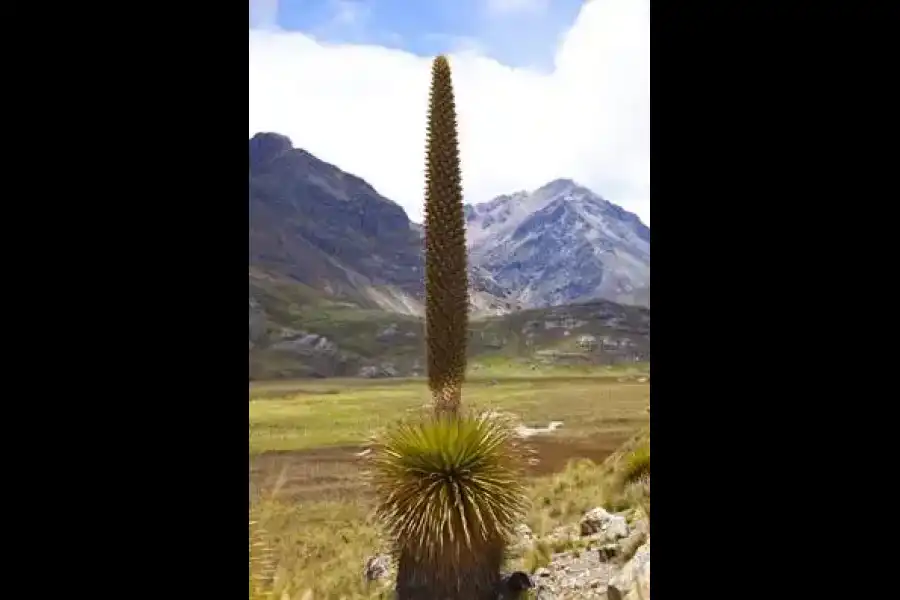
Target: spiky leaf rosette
<point>446,278</point>
<point>449,493</point>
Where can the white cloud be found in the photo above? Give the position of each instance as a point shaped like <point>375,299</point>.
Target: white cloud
<point>506,7</point>
<point>363,108</point>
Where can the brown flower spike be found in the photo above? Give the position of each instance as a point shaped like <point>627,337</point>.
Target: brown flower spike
<point>446,278</point>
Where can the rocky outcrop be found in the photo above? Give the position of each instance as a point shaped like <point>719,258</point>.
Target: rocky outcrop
<point>632,582</point>
<point>378,371</point>
<point>609,559</point>
<point>603,562</point>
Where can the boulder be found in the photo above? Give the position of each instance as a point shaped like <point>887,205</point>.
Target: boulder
<point>632,582</point>
<point>598,520</point>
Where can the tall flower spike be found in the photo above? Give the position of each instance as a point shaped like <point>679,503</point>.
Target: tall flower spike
<point>446,278</point>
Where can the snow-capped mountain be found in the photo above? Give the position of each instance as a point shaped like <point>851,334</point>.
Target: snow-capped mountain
<point>560,244</point>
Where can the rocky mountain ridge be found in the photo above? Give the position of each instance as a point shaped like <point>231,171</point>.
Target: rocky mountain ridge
<point>332,231</point>
<point>332,263</point>
<point>559,244</point>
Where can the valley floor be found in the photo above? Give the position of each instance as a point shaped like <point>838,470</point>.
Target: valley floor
<point>306,487</point>
<point>333,473</point>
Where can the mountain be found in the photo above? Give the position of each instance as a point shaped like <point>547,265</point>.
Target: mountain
<point>335,274</point>
<point>327,229</point>
<point>315,225</point>
<point>560,244</point>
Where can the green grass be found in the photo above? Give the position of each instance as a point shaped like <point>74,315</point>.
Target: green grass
<point>637,464</point>
<point>311,414</point>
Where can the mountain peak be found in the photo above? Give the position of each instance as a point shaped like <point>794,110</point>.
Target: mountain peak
<point>558,186</point>
<point>561,243</point>
<point>566,189</point>
<point>266,147</point>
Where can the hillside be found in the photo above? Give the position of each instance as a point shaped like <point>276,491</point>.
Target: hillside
<point>335,274</point>
<point>313,223</point>
<point>297,333</point>
<point>330,231</point>
<point>326,229</point>
<point>561,244</point>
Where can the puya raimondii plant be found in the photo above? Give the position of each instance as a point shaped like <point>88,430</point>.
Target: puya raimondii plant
<point>446,277</point>
<point>449,493</point>
<point>448,486</point>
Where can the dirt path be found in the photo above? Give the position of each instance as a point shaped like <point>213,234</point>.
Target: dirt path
<point>334,472</point>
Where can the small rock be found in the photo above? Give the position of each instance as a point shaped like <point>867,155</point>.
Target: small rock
<point>387,333</point>
<point>368,372</point>
<point>377,567</point>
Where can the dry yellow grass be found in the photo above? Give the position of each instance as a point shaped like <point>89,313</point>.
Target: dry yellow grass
<point>320,547</point>
<point>318,543</point>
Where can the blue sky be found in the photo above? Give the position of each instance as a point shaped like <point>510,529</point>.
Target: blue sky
<point>518,33</point>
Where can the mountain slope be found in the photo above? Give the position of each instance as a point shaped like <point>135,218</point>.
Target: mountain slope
<point>335,273</point>
<point>327,229</point>
<point>561,244</point>
<point>334,340</point>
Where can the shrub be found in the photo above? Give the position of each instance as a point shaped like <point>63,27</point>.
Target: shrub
<point>637,464</point>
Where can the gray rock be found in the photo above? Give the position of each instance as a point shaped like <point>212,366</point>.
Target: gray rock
<point>373,371</point>
<point>298,341</point>
<point>616,528</point>
<point>598,520</point>
<point>587,574</point>
<point>633,580</point>
<point>368,371</point>
<point>377,567</point>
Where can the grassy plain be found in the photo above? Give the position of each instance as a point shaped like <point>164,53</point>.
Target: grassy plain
<point>314,527</point>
